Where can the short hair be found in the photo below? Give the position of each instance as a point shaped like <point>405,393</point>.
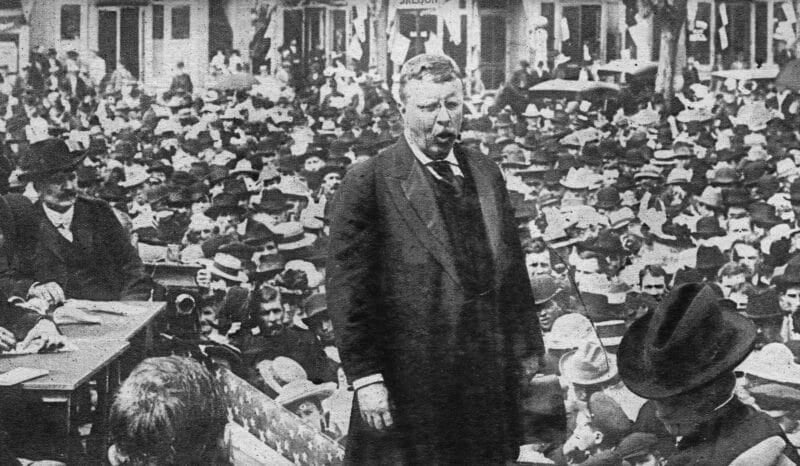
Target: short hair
<point>435,68</point>
<point>654,270</point>
<point>170,410</point>
<point>263,294</point>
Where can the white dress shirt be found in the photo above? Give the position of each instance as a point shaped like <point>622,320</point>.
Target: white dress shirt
<point>426,161</point>
<point>62,222</point>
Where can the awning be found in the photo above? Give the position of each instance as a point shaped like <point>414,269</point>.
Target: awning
<point>11,15</point>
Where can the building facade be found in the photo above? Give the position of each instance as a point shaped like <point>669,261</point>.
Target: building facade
<point>151,36</point>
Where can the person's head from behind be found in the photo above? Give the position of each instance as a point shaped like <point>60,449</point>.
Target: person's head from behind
<point>432,97</point>
<point>168,411</point>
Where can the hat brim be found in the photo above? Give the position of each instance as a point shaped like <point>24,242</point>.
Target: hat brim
<point>641,378</point>
<point>240,277</point>
<point>321,391</point>
<point>33,175</point>
<point>308,240</point>
<point>566,366</point>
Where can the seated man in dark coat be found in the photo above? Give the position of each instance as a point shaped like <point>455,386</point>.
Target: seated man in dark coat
<point>272,336</point>
<point>681,357</point>
<point>79,249</point>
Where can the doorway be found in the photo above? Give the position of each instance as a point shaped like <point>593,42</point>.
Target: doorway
<point>118,37</point>
<point>493,50</point>
<point>585,29</point>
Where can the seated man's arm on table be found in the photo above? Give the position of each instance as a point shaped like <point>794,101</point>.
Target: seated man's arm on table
<point>26,322</point>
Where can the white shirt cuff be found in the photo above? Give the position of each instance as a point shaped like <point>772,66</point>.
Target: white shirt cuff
<point>368,380</point>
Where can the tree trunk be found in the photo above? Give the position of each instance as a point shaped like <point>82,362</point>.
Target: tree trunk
<point>670,28</point>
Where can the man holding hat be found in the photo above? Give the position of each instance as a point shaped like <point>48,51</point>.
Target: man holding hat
<point>80,250</point>
<point>682,357</point>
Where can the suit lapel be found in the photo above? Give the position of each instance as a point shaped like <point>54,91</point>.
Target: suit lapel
<point>413,196</point>
<point>488,199</point>
<point>81,232</point>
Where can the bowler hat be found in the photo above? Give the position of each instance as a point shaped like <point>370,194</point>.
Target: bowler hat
<point>708,227</point>
<point>709,258</point>
<point>544,288</point>
<point>272,201</point>
<point>257,234</point>
<point>687,342</point>
<point>46,157</point>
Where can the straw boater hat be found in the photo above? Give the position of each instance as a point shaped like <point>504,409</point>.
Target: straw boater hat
<point>291,235</point>
<point>228,267</point>
<point>775,362</point>
<point>686,343</point>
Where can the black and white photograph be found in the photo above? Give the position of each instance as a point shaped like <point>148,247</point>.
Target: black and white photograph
<point>400,232</point>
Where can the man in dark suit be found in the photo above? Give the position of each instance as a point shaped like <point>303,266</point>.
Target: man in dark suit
<point>427,288</point>
<point>77,249</point>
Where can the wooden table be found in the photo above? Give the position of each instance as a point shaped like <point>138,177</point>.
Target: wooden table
<point>97,357</point>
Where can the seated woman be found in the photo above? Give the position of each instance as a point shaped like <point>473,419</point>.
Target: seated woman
<point>169,411</point>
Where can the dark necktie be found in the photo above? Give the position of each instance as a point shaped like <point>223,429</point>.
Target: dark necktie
<point>448,177</point>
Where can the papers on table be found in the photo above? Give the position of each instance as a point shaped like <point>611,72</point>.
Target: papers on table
<point>102,307</point>
<point>34,348</point>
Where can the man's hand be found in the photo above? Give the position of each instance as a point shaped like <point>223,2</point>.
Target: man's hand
<point>373,403</point>
<point>45,336</point>
<point>203,278</point>
<point>530,366</point>
<point>7,340</point>
<point>50,292</point>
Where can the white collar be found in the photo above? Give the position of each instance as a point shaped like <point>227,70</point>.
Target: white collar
<point>57,218</point>
<point>426,161</point>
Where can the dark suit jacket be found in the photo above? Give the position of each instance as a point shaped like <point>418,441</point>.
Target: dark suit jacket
<point>396,300</point>
<point>100,264</point>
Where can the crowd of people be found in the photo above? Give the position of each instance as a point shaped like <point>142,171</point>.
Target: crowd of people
<point>623,217</point>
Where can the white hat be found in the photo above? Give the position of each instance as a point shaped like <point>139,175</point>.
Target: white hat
<point>531,111</point>
<point>244,166</point>
<point>775,362</point>
<point>785,168</point>
<point>291,236</point>
<point>228,267</point>
<point>568,331</point>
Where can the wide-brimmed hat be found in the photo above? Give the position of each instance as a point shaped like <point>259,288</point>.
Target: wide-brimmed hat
<point>46,157</point>
<point>272,201</point>
<point>776,399</point>
<point>299,390</point>
<point>708,227</point>
<point>711,197</point>
<point>589,364</point>
<point>291,235</point>
<point>764,305</point>
<point>607,198</point>
<point>686,343</point>
<point>568,332</point>
<point>775,362</point>
<point>227,266</point>
<point>621,218</point>
<point>607,243</point>
<point>724,176</point>
<point>224,202</point>
<point>280,371</point>
<point>763,215</point>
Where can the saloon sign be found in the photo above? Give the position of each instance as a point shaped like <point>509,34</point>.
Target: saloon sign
<point>416,4</point>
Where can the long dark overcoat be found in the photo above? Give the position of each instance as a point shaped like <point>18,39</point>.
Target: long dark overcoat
<point>397,301</point>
